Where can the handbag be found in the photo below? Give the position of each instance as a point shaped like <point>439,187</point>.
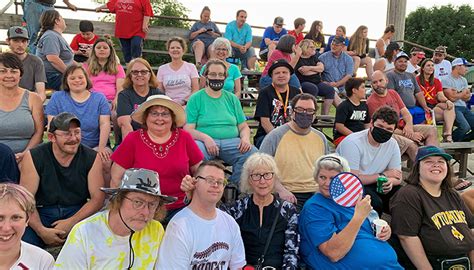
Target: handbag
<point>261,260</point>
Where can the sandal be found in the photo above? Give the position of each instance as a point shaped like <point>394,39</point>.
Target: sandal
<point>447,138</point>
<point>462,184</point>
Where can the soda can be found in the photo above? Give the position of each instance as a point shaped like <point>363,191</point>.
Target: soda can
<point>382,179</point>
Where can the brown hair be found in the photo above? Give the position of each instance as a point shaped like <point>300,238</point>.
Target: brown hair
<point>110,67</point>
<point>414,177</point>
<point>127,83</point>
<point>387,114</point>
<point>210,163</point>
<point>205,8</point>
<point>298,22</point>
<point>422,74</point>
<point>314,34</point>
<point>181,42</point>
<point>147,111</point>
<point>69,70</point>
<point>47,22</point>
<point>304,96</point>
<point>11,60</point>
<point>117,199</point>
<point>353,83</point>
<point>389,28</point>
<point>358,43</point>
<point>214,61</point>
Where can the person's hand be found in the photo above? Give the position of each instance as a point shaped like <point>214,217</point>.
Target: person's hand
<point>362,208</point>
<point>145,27</point>
<point>52,236</point>
<point>211,147</point>
<point>387,186</point>
<point>188,184</point>
<point>418,137</point>
<point>114,104</point>
<point>385,233</point>
<point>427,110</point>
<point>244,145</point>
<point>287,196</point>
<point>242,49</point>
<point>64,225</point>
<point>72,7</point>
<point>333,84</point>
<point>408,131</point>
<point>98,9</point>
<point>202,30</point>
<point>19,157</point>
<point>449,104</point>
<point>303,69</point>
<point>104,154</point>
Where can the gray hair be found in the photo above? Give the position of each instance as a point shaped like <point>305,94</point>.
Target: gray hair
<point>257,160</point>
<point>222,42</point>
<point>330,162</point>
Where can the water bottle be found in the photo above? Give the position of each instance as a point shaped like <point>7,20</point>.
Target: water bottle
<point>246,84</point>
<point>373,215</point>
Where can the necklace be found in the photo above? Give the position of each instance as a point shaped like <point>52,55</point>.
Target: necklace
<point>160,150</point>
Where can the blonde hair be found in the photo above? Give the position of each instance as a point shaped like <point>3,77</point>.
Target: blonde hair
<point>358,43</point>
<point>257,160</point>
<point>26,200</point>
<point>305,43</point>
<point>127,83</point>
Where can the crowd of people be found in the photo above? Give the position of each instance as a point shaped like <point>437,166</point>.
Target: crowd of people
<point>152,199</point>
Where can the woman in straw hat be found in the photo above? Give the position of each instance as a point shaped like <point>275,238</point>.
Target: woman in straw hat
<point>161,145</point>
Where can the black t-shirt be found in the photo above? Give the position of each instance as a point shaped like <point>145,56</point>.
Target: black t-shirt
<point>443,223</point>
<point>352,116</point>
<point>268,105</point>
<point>58,185</point>
<point>311,61</point>
<point>128,101</point>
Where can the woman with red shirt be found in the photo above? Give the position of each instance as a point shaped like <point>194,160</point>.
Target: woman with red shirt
<point>435,98</point>
<point>131,24</point>
<point>162,146</point>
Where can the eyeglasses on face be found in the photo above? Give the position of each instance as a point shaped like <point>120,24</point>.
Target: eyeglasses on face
<point>259,176</point>
<point>306,111</point>
<point>214,75</point>
<point>155,114</point>
<point>139,204</point>
<point>213,182</point>
<point>69,134</point>
<point>143,72</point>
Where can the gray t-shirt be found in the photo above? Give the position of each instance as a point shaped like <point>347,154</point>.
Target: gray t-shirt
<point>406,86</point>
<point>33,72</point>
<point>458,84</point>
<point>205,37</point>
<point>368,159</point>
<point>53,43</point>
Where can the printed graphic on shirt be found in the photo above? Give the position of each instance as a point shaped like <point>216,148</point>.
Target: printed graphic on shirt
<point>406,84</point>
<point>277,115</point>
<point>358,115</point>
<point>208,259</point>
<point>446,218</point>
<point>442,72</point>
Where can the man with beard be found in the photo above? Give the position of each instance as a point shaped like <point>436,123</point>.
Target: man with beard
<point>407,135</point>
<point>65,178</point>
<point>406,86</point>
<point>442,66</point>
<point>34,76</point>
<point>272,103</point>
<point>239,33</point>
<point>201,236</point>
<point>295,146</point>
<point>372,153</point>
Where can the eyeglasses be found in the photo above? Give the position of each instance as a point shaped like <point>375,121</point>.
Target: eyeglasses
<point>306,111</point>
<point>213,182</point>
<point>140,72</point>
<point>139,204</point>
<point>259,176</point>
<point>69,134</point>
<point>155,114</point>
<point>216,75</point>
<point>12,71</point>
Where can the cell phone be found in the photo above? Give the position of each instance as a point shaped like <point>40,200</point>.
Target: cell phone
<point>209,30</point>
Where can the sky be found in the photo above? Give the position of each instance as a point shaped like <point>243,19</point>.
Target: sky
<point>332,13</point>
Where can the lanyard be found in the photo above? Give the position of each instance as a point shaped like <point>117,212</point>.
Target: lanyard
<point>285,106</point>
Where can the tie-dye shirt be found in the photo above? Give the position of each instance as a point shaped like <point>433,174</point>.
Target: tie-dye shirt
<point>92,245</point>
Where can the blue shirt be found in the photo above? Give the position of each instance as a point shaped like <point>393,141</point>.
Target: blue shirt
<point>331,38</point>
<point>320,219</point>
<point>240,36</point>
<point>272,35</point>
<point>336,68</point>
<point>88,113</point>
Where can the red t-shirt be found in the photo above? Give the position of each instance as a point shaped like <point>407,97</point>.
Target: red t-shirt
<point>178,155</point>
<point>78,42</point>
<point>276,55</point>
<point>392,99</point>
<point>129,16</point>
<point>299,37</point>
<point>430,91</point>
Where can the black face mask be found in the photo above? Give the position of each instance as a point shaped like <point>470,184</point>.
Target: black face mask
<point>380,135</point>
<point>215,84</point>
<point>303,120</point>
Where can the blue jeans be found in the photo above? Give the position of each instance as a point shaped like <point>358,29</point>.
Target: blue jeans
<point>465,124</point>
<point>321,89</point>
<point>243,56</point>
<point>31,15</point>
<point>48,215</point>
<point>230,154</point>
<point>267,80</point>
<point>131,48</point>
<point>54,80</point>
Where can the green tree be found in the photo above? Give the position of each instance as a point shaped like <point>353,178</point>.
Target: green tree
<point>443,25</point>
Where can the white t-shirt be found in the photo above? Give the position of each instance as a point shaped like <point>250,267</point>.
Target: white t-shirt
<point>442,69</point>
<point>177,83</point>
<point>411,68</point>
<point>368,159</point>
<point>92,245</point>
<point>33,257</point>
<point>191,242</point>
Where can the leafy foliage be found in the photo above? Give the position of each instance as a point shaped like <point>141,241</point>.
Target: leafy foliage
<point>443,25</point>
